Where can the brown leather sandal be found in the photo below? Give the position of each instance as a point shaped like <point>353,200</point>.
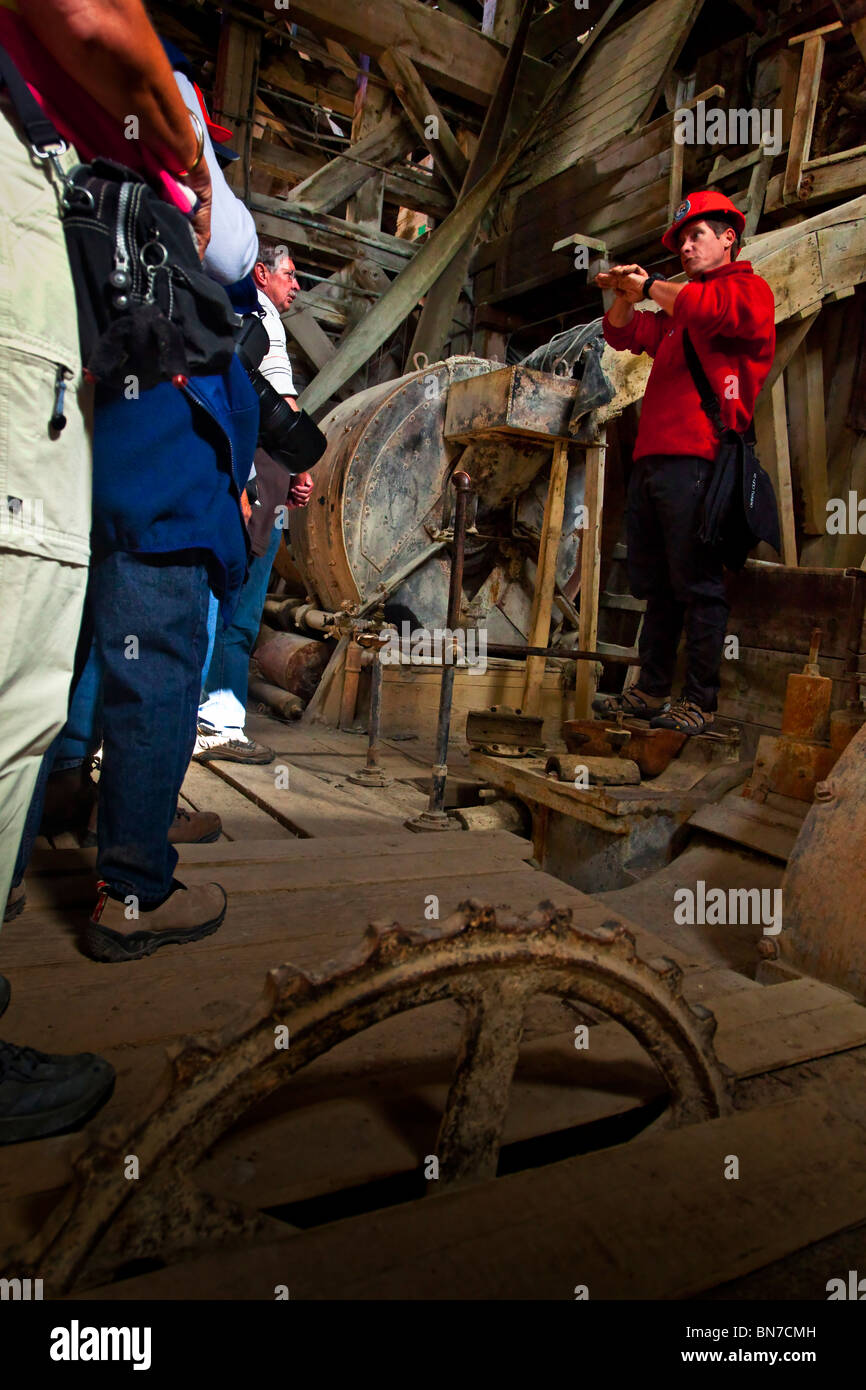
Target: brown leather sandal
<point>684,716</point>
<point>631,704</point>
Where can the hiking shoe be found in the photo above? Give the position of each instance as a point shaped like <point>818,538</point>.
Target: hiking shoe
<point>70,796</point>
<point>42,1093</point>
<point>195,827</point>
<point>684,716</point>
<point>188,828</point>
<point>15,903</point>
<point>231,748</point>
<point>187,915</point>
<point>632,704</point>
<point>5,994</point>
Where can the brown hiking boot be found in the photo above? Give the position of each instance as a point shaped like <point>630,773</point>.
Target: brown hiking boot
<point>189,828</point>
<point>187,915</point>
<point>70,796</point>
<point>195,828</point>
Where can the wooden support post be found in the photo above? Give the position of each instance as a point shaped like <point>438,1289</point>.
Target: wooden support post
<point>501,18</point>
<point>808,433</point>
<point>852,13</point>
<point>771,432</point>
<point>235,94</point>
<point>545,577</point>
<point>372,106</point>
<point>590,575</point>
<point>805,106</point>
<point>675,183</point>
<point>423,111</point>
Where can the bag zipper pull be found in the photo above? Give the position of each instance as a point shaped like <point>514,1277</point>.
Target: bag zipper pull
<point>58,419</point>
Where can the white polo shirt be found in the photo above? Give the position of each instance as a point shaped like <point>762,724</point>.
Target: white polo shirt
<point>275,365</point>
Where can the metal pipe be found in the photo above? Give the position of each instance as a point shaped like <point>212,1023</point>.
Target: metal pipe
<point>351,677</point>
<point>462,483</point>
<point>375,713</point>
<point>509,649</point>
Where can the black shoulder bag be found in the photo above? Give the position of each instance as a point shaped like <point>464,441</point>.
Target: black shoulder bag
<point>146,309</point>
<point>740,507</point>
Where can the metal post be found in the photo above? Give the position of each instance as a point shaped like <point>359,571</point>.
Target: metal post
<point>435,817</point>
<point>372,775</point>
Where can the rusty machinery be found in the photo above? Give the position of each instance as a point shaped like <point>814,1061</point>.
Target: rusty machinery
<point>376,530</point>
<point>492,964</point>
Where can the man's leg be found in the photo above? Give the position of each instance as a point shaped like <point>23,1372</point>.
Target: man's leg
<point>697,579</point>
<point>45,492</point>
<point>223,711</point>
<point>150,619</point>
<point>649,578</point>
<point>35,670</point>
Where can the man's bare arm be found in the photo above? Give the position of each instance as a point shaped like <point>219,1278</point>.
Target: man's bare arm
<point>111,50</point>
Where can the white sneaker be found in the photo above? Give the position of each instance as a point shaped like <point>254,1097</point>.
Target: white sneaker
<point>233,747</point>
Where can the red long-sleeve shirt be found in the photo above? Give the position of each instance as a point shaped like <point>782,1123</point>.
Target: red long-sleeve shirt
<point>729,313</point>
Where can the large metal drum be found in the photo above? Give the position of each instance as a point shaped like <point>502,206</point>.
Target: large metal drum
<point>378,503</point>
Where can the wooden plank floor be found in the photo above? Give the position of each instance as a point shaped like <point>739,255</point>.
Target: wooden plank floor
<point>370,1109</point>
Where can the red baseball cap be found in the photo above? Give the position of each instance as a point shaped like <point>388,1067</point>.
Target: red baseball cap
<point>703,204</point>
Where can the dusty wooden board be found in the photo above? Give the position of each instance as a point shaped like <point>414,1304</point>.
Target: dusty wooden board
<point>465,854</point>
<point>751,823</point>
<point>309,806</point>
<point>52,862</point>
<point>652,1219</point>
<point>785,1024</point>
<point>595,109</point>
<point>241,818</point>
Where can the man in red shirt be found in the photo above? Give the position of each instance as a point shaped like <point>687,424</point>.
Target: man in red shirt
<point>729,313</point>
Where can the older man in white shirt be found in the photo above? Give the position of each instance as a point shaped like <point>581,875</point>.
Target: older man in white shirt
<point>222,714</point>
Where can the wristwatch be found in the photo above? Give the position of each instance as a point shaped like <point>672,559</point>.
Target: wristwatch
<point>649,282</point>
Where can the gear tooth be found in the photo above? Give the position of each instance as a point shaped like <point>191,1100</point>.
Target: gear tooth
<point>670,972</point>
<point>290,985</point>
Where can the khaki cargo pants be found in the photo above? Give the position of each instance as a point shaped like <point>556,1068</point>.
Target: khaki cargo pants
<point>45,481</point>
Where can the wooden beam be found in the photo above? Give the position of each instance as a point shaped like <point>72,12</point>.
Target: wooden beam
<point>405,185</point>
<point>235,93</point>
<point>276,217</point>
<point>373,105</point>
<point>437,316</point>
<point>333,184</point>
<point>447,53</point>
<point>501,19</point>
<point>562,25</point>
<point>545,577</point>
<point>771,432</point>
<point>808,436</point>
<point>590,575</point>
<point>280,76</point>
<point>805,106</point>
<point>851,12</point>
<point>424,114</point>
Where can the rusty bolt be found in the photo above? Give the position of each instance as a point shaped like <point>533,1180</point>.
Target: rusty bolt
<point>824,791</point>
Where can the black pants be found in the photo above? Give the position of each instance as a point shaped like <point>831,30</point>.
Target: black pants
<point>681,580</point>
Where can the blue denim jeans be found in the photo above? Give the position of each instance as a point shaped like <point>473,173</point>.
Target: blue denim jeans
<point>149,620</point>
<point>224,693</point>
